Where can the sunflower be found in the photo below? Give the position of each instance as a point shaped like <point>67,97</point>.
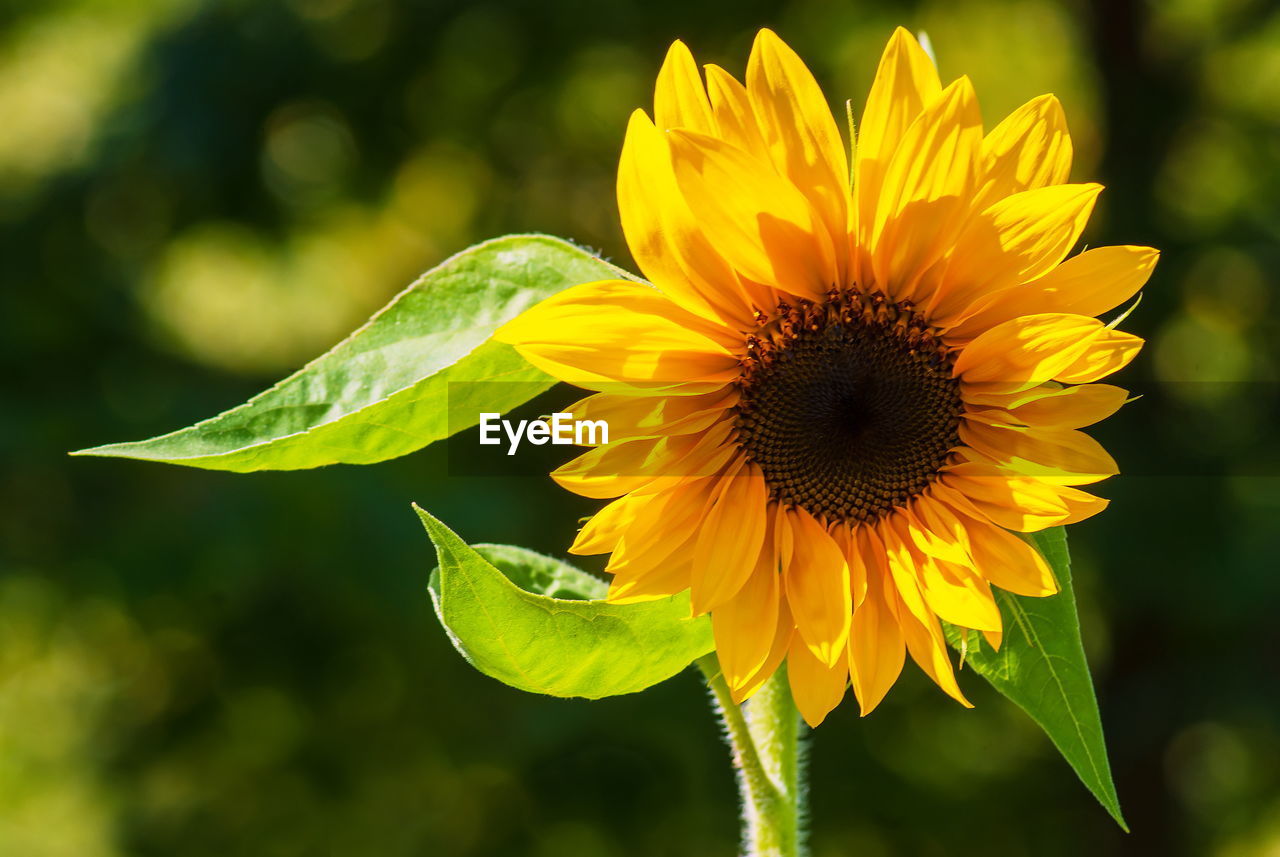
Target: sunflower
<point>847,390</point>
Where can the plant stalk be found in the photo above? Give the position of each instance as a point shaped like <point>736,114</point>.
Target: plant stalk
<point>764,734</point>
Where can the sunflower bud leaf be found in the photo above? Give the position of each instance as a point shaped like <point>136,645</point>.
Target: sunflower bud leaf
<point>383,392</point>
<point>536,623</point>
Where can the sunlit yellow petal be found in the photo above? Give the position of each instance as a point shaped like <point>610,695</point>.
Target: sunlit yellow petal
<point>920,629</point>
<point>642,582</point>
<point>816,686</point>
<point>666,240</point>
<point>854,556</point>
<point>1017,239</point>
<point>731,106</point>
<point>928,648</point>
<point>1020,503</point>
<point>801,135</point>
<point>1069,456</point>
<point>653,416</point>
<point>760,222</point>
<point>783,634</point>
<point>601,532</point>
<point>1048,346</point>
<point>926,189</point>
<point>1051,405</point>
<point>1030,149</point>
<point>876,648</point>
<point>905,82</point>
<point>743,625</point>
<point>609,334</point>
<point>629,465</point>
<point>730,539</point>
<point>1009,562</point>
<point>679,99</point>
<point>817,587</point>
<point>1108,352</point>
<point>1090,283</point>
<point>950,590</point>
<point>654,556</point>
<point>1080,504</point>
<point>931,535</point>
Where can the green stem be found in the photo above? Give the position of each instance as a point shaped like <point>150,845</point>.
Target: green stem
<point>764,733</point>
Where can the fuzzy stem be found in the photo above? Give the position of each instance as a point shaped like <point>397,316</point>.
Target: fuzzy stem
<point>764,734</point>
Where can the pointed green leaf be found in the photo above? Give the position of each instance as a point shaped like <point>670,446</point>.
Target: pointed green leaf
<point>522,618</point>
<point>383,391</point>
<point>1042,668</point>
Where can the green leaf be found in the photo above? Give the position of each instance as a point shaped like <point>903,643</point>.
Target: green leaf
<point>542,574</point>
<point>1042,668</point>
<point>385,390</point>
<point>494,601</point>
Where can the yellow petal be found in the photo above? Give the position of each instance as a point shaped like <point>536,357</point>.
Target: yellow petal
<point>926,189</point>
<point>651,582</point>
<point>614,334</point>
<point>905,82</point>
<point>928,648</point>
<point>1090,283</point>
<point>900,561</point>
<point>932,535</point>
<point>1072,407</point>
<point>1052,405</point>
<point>745,625</point>
<point>1030,149</point>
<point>847,540</point>
<point>653,559</point>
<point>1019,503</point>
<point>759,221</point>
<point>666,240</point>
<point>1063,454</point>
<point>659,527</point>
<point>1017,239</point>
<point>943,522</point>
<point>1009,562</point>
<point>628,465</point>
<point>654,416</point>
<point>920,629</point>
<point>801,135</point>
<point>622,466</point>
<point>994,638</point>
<point>1043,347</point>
<point>735,120</point>
<point>817,687</point>
<point>876,648</point>
<point>960,595</point>
<point>817,587</point>
<point>602,530</point>
<point>679,99</point>
<point>1108,352</point>
<point>729,539</point>
<point>1080,504</point>
<point>952,591</point>
<point>783,535</point>
<point>783,634</point>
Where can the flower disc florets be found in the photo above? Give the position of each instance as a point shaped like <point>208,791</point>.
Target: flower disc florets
<point>848,406</point>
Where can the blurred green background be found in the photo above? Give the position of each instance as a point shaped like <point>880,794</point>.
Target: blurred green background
<point>196,197</point>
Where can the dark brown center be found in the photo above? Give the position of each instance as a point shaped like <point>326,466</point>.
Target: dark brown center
<point>848,406</point>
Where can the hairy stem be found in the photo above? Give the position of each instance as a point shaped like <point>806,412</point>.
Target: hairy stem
<point>764,734</point>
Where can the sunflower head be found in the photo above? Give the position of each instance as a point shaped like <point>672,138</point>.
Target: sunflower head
<point>847,387</point>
